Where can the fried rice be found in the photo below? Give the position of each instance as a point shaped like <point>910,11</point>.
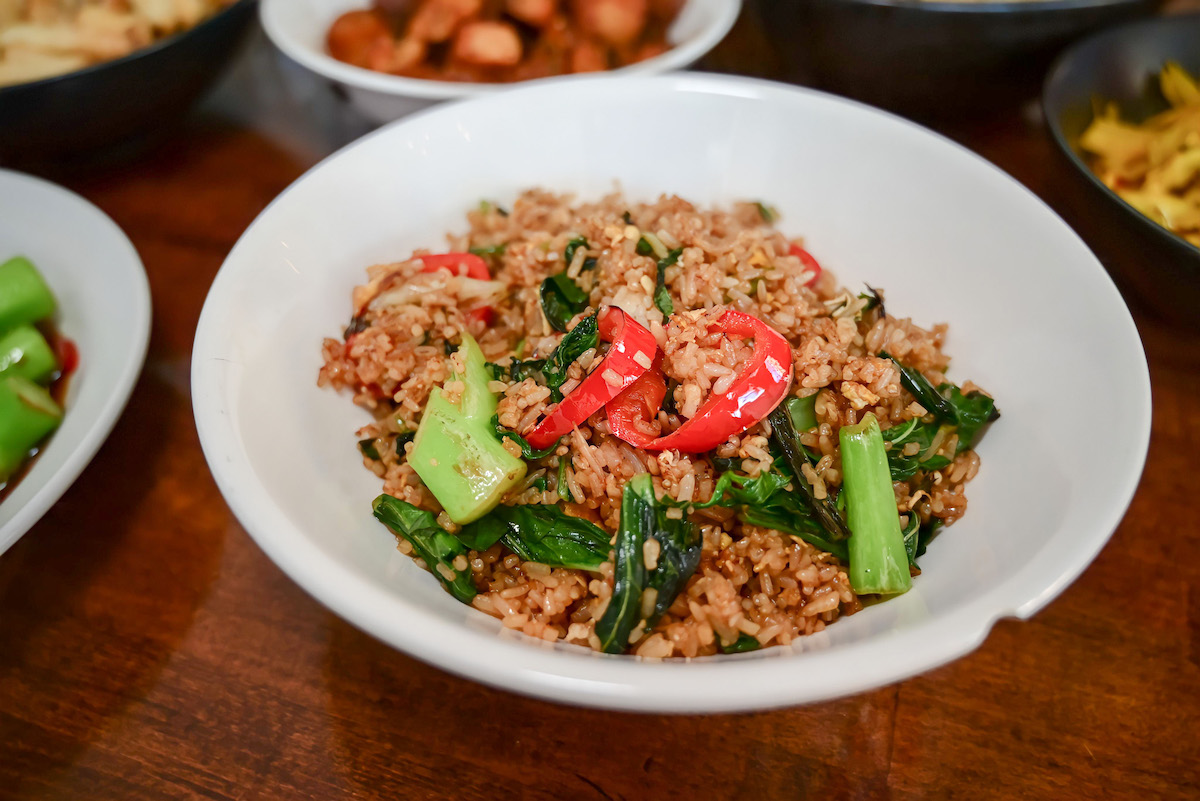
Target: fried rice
<point>753,586</point>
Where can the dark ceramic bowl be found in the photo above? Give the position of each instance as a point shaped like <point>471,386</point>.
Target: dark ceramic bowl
<point>73,116</point>
<point>933,59</point>
<point>1122,65</point>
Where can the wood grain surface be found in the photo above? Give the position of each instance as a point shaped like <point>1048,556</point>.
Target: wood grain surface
<point>149,650</point>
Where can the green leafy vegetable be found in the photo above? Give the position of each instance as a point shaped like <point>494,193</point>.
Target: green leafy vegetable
<point>564,491</point>
<point>972,412</point>
<point>643,518</point>
<point>644,248</point>
<point>540,533</point>
<point>402,439</point>
<point>662,298</point>
<point>743,644</point>
<point>788,440</point>
<point>912,539</point>
<point>584,336</point>
<point>768,213</point>
<point>432,543</point>
<point>367,446</point>
<point>562,299</point>
<point>802,412</point>
<point>490,250</point>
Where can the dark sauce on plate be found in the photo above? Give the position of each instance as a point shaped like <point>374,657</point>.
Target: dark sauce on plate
<point>68,360</point>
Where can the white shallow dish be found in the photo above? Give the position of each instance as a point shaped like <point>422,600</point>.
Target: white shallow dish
<point>299,28</point>
<point>103,305</point>
<point>879,200</point>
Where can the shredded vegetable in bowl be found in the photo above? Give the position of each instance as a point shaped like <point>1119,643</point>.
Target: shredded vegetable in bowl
<point>652,428</point>
<point>1154,165</point>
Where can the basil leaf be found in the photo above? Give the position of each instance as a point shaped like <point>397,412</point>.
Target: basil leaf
<point>644,517</point>
<point>438,548</point>
<point>539,533</point>
<point>562,299</point>
<point>662,298</point>
<point>743,644</point>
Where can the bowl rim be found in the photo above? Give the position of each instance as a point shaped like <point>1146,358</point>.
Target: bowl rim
<point>238,6</point>
<point>1053,105</point>
<point>987,8</point>
<point>120,381</point>
<point>628,683</point>
<point>327,66</point>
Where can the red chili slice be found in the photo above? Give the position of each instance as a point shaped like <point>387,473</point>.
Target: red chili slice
<point>808,261</point>
<point>630,356</point>
<point>68,355</point>
<point>467,264</point>
<point>458,263</point>
<point>762,384</point>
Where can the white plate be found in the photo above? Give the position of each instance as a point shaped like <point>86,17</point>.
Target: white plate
<point>1034,318</point>
<point>103,305</point>
<point>299,29</point>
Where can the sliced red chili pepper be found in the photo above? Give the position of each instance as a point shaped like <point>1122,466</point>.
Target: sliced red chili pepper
<point>631,414</point>
<point>68,355</point>
<point>484,314</point>
<point>458,263</point>
<point>463,264</point>
<point>630,356</point>
<point>763,382</point>
<point>808,261</point>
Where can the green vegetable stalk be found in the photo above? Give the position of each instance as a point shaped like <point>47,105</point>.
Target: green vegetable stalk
<point>25,352</point>
<point>24,296</point>
<point>456,452</point>
<point>878,559</point>
<point>27,415</point>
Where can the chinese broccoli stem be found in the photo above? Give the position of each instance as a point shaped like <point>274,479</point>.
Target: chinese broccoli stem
<point>878,561</point>
<point>24,296</point>
<point>27,415</point>
<point>25,352</point>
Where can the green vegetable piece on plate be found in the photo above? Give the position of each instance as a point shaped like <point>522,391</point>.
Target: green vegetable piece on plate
<point>24,296</point>
<point>878,560</point>
<point>25,352</point>
<point>432,543</point>
<point>27,415</point>
<point>456,452</point>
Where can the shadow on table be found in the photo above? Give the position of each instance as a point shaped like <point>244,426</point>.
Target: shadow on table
<point>96,597</point>
<point>404,727</point>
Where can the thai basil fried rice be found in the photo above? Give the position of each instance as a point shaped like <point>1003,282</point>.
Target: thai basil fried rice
<point>722,454</point>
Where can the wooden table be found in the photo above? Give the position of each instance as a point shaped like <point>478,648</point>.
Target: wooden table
<point>148,649</point>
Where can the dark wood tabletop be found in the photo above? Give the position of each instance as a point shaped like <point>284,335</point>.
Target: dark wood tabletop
<point>149,650</point>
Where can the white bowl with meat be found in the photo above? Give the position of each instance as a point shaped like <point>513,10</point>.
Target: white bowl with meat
<point>399,56</point>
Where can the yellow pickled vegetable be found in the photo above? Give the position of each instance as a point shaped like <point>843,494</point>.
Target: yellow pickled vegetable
<point>1154,165</point>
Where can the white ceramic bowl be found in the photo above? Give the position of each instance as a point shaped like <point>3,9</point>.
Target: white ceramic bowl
<point>1034,318</point>
<point>299,27</point>
<point>104,306</point>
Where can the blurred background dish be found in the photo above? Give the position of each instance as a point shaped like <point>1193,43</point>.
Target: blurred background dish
<point>1122,65</point>
<point>934,59</point>
<point>103,306</point>
<point>300,29</point>
<point>75,114</point>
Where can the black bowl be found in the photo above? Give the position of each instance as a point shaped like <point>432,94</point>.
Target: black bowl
<point>1122,65</point>
<point>934,59</point>
<point>72,116</point>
